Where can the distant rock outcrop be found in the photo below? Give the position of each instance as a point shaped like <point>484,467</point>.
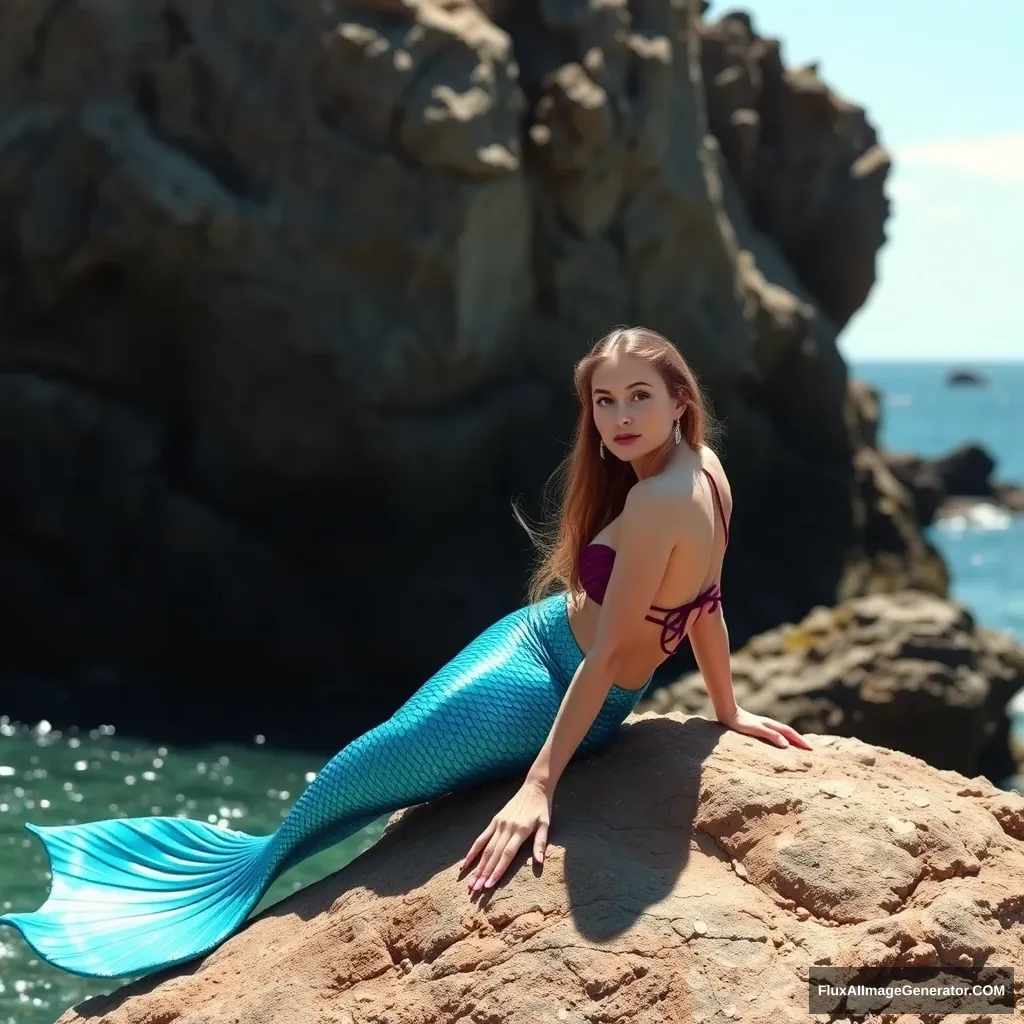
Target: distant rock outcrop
<point>691,875</point>
<point>967,379</point>
<point>289,297</point>
<point>945,486</point>
<point>910,671</point>
<point>892,554</point>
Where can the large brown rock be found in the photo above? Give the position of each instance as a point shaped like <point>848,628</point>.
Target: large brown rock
<point>906,670</point>
<point>692,875</point>
<point>289,296</point>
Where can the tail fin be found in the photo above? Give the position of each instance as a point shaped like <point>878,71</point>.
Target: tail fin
<point>128,896</point>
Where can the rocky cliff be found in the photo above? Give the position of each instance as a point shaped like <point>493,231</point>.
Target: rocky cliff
<point>692,875</point>
<point>289,296</point>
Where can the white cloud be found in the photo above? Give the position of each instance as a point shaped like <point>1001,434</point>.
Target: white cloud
<point>997,158</point>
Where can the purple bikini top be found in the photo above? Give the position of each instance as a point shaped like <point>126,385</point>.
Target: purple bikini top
<point>596,561</point>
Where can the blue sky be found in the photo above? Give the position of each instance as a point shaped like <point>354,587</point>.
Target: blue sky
<point>944,86</point>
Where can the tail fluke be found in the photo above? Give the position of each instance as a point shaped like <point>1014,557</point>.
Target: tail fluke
<point>131,895</point>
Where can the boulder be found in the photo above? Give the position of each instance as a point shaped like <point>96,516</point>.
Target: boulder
<point>906,670</point>
<point>966,471</point>
<point>691,875</point>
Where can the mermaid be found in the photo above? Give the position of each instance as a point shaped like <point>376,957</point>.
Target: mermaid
<point>630,567</point>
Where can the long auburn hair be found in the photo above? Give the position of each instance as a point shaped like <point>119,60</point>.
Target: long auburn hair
<point>593,490</point>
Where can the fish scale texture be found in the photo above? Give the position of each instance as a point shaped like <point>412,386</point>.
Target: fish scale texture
<point>129,896</point>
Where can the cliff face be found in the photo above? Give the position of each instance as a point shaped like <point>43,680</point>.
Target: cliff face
<point>289,296</point>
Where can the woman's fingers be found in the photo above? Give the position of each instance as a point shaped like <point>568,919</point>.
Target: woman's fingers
<point>540,843</point>
<point>769,735</point>
<point>778,734</point>
<point>512,844</point>
<point>488,858</point>
<point>787,733</point>
<point>478,845</point>
<point>792,735</point>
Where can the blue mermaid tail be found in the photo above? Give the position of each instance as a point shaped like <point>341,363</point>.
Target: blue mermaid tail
<point>132,895</point>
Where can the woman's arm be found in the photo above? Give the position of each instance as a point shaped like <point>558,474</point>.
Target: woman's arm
<point>647,531</point>
<point>709,638</point>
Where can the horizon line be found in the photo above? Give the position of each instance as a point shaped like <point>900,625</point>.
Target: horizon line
<point>961,362</point>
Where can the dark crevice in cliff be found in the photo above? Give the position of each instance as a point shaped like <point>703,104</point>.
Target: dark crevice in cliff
<point>147,102</point>
<point>178,35</point>
<point>37,55</point>
<point>216,160</point>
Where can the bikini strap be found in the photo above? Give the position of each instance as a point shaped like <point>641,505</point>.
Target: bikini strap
<point>718,502</point>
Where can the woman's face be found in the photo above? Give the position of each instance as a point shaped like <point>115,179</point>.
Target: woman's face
<point>633,410</point>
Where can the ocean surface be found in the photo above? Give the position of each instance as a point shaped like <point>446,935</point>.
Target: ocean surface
<point>48,778</point>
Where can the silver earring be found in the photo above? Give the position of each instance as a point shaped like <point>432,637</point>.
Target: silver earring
<point>602,448</point>
<point>678,433</point>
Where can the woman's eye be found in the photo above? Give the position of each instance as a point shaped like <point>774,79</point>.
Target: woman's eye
<point>603,399</point>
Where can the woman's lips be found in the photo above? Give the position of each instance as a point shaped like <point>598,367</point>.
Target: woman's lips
<point>626,438</point>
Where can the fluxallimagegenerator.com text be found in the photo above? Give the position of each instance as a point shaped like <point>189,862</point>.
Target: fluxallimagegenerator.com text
<point>997,990</point>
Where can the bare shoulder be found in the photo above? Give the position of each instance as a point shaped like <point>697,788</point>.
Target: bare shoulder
<point>711,462</point>
<point>653,506</point>
<point>669,500</point>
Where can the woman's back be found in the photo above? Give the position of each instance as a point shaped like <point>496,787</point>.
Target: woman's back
<point>694,491</point>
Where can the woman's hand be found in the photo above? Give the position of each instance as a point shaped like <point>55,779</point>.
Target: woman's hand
<point>527,812</point>
<point>767,729</point>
